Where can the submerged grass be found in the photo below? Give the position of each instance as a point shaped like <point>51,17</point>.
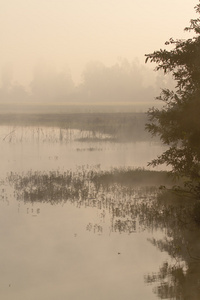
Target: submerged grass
<point>84,183</point>
<point>138,177</point>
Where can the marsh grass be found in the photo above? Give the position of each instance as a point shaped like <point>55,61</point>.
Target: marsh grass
<point>91,149</point>
<point>134,176</point>
<point>82,189</point>
<point>131,197</point>
<point>96,139</point>
<point>177,197</point>
<point>120,126</point>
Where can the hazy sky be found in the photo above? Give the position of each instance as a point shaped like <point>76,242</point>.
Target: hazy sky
<point>68,34</point>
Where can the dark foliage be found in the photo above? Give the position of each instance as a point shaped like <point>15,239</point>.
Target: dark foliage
<point>177,123</point>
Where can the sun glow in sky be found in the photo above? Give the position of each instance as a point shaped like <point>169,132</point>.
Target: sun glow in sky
<point>68,34</point>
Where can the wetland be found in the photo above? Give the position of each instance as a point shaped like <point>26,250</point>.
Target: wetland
<point>83,217</point>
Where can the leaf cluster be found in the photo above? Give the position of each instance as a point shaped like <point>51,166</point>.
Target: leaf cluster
<point>177,123</point>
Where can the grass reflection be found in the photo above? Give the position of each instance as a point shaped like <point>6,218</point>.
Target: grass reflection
<point>106,126</point>
<point>90,187</point>
<point>179,280</point>
<point>134,202</point>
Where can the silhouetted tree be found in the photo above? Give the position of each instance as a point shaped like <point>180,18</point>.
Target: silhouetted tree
<point>177,123</point>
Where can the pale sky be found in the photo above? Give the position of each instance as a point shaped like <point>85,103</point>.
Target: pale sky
<point>68,34</point>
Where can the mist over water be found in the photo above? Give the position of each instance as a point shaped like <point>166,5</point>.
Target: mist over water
<point>78,217</point>
<point>82,214</point>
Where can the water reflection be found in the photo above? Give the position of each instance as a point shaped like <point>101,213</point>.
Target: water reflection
<point>30,134</point>
<point>72,248</point>
<point>130,209</point>
<point>82,188</point>
<point>180,280</point>
<point>40,148</point>
<point>88,227</point>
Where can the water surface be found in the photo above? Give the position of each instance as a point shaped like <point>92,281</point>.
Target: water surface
<point>65,236</point>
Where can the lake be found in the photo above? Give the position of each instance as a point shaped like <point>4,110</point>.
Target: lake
<point>67,235</point>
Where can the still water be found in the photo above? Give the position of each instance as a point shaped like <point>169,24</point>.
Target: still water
<point>25,148</point>
<point>63,236</point>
